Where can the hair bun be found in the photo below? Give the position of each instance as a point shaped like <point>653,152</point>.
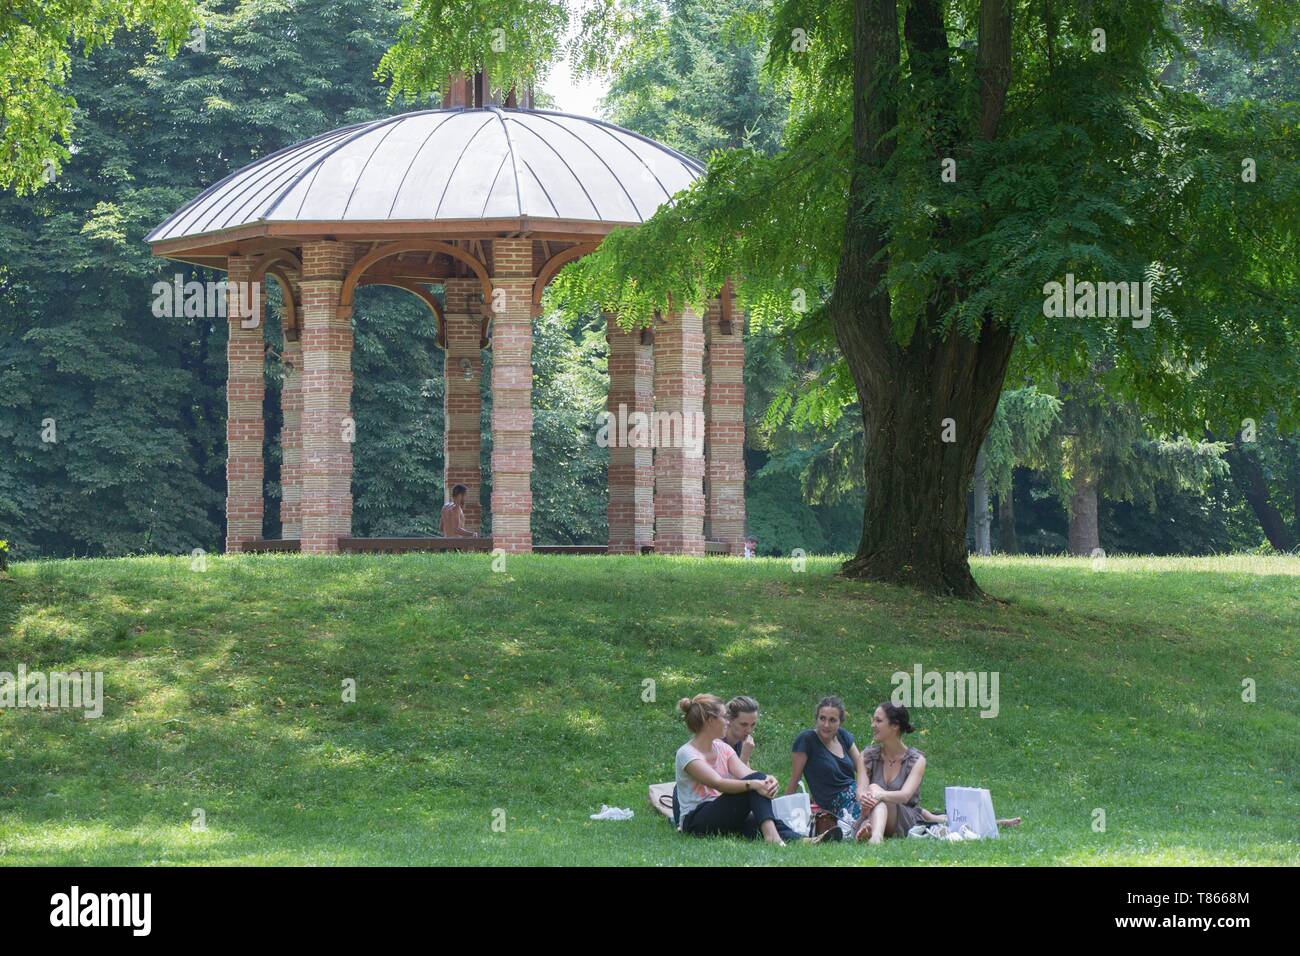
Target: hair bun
<point>684,704</point>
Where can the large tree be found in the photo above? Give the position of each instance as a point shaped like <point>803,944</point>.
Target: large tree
<point>944,161</point>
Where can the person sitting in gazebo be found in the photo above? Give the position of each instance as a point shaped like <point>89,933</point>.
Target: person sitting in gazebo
<point>453,514</point>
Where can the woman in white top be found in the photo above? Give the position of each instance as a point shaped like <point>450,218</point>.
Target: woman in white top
<point>717,792</point>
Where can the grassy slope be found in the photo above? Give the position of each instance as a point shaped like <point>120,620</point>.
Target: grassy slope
<point>1120,689</point>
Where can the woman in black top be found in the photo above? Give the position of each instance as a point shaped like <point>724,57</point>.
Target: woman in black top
<point>831,762</point>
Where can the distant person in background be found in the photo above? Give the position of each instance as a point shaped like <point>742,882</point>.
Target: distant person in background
<point>742,715</point>
<point>453,514</point>
<point>751,547</point>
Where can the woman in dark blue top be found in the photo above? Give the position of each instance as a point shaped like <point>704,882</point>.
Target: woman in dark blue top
<point>831,762</point>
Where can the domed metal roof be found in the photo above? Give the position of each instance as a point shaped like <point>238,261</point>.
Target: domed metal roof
<point>455,164</point>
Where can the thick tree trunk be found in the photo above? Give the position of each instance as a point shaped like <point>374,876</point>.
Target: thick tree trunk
<point>1084,534</point>
<point>983,521</point>
<point>926,404</point>
<point>1250,479</point>
<point>1008,543</point>
<point>1295,484</point>
<point>914,521</point>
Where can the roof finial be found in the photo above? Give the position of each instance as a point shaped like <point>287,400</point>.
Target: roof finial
<point>475,92</point>
<point>470,91</point>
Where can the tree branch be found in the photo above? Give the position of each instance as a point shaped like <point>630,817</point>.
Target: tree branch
<point>993,63</point>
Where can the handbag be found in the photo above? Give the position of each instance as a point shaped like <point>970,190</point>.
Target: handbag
<point>823,820</point>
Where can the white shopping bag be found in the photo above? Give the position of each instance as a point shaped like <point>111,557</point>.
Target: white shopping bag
<point>972,806</point>
<point>795,810</point>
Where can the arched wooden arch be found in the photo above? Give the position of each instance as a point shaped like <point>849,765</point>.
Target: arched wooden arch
<point>425,296</point>
<point>554,265</point>
<point>348,292</point>
<point>290,305</point>
<point>275,257</point>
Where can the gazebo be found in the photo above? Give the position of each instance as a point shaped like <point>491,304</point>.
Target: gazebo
<point>472,208</point>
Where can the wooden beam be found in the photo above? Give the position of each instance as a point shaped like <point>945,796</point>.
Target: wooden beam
<point>265,236</point>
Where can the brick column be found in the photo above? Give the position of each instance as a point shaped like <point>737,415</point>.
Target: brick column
<point>291,437</point>
<point>512,394</point>
<point>462,399</point>
<point>725,412</point>
<point>326,398</point>
<point>679,402</point>
<point>245,389</point>
<point>631,469</point>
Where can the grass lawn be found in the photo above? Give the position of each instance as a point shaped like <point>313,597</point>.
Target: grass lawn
<point>1120,689</point>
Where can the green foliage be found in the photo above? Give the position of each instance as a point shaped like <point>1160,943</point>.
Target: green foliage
<point>1099,170</point>
<point>779,518</point>
<point>514,40</point>
<point>570,491</point>
<point>397,399</point>
<point>1105,443</point>
<point>691,81</point>
<point>37,43</point>
<point>1024,421</point>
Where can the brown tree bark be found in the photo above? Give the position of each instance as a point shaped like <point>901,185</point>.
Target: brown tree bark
<point>914,522</point>
<point>983,520</point>
<point>1008,543</point>
<point>1084,534</point>
<point>1250,479</point>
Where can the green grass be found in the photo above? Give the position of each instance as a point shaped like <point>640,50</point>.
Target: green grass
<point>1120,689</point>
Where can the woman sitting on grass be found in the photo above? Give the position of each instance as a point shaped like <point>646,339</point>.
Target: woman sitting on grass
<point>893,805</point>
<point>742,717</point>
<point>717,791</point>
<point>827,757</point>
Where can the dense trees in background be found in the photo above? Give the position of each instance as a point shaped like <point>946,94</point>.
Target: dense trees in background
<point>1070,461</point>
<point>136,403</point>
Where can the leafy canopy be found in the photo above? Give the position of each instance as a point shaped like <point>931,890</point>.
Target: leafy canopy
<point>37,42</point>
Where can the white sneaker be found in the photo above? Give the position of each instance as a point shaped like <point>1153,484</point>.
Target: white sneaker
<point>939,831</point>
<point>954,838</point>
<point>967,833</point>
<point>919,831</point>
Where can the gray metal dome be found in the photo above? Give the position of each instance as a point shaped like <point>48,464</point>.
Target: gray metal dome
<point>455,164</point>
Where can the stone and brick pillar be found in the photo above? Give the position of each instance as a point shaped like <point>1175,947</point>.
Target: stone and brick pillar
<point>245,389</point>
<point>462,399</point>
<point>679,421</point>
<point>631,465</point>
<point>512,394</point>
<point>291,430</point>
<point>326,398</point>
<point>725,412</point>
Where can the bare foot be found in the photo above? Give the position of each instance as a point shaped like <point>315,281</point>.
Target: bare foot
<point>864,832</point>
<point>1012,822</point>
